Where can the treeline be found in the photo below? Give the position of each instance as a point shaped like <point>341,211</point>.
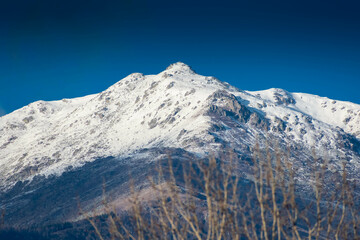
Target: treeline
<point>212,199</point>
<point>218,198</point>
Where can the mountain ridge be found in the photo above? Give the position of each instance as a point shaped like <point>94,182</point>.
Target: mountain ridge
<point>53,153</point>
<point>170,109</point>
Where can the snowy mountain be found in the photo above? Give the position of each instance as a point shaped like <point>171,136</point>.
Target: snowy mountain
<point>134,121</point>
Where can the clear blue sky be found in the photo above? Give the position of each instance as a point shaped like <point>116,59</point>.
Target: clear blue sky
<point>56,49</point>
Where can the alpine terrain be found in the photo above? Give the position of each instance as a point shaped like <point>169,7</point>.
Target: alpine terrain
<point>56,155</point>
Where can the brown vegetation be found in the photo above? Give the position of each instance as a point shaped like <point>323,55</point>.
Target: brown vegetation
<point>211,200</point>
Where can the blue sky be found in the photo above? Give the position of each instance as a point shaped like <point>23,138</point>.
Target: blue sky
<point>51,50</point>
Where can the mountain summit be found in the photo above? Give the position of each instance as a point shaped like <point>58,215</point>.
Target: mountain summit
<point>134,120</point>
<point>179,67</point>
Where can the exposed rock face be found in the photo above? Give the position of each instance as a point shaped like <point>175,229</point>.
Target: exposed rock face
<point>223,103</point>
<point>283,97</point>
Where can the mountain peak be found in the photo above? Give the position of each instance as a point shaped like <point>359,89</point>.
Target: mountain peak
<point>47,148</point>
<point>179,67</point>
<point>176,108</point>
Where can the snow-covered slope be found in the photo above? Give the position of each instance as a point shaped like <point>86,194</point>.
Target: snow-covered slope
<point>137,112</point>
<point>345,115</point>
<point>175,108</point>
